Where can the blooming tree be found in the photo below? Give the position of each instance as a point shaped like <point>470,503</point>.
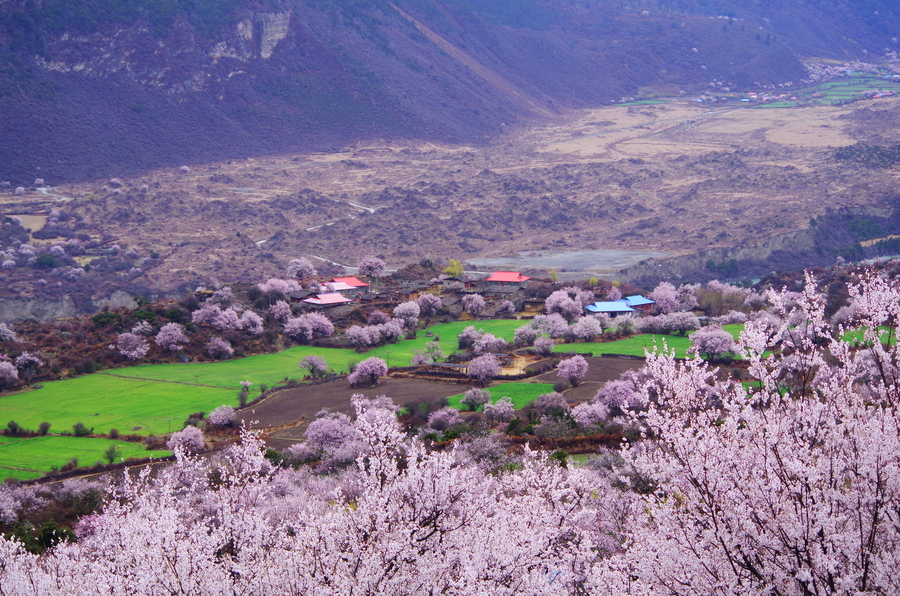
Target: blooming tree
<point>783,487</point>
<point>475,397</point>
<point>221,416</point>
<point>9,376</point>
<point>171,337</point>
<point>502,410</point>
<point>219,348</point>
<point>430,354</point>
<point>665,298</point>
<point>712,341</point>
<point>429,304</point>
<point>7,334</point>
<point>308,326</point>
<point>488,342</point>
<point>572,370</point>
<point>377,317</point>
<point>131,345</point>
<point>484,368</point>
<point>543,345</point>
<point>408,312</point>
<point>561,302</point>
<point>280,311</point>
<point>315,366</point>
<point>301,267</point>
<point>506,309</point>
<point>252,322</point>
<point>586,328</point>
<point>189,439</point>
<point>367,372</point>
<point>371,267</point>
<point>474,304</point>
<point>444,418</point>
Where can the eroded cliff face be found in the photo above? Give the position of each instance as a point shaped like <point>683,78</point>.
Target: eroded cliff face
<point>49,309</point>
<point>178,64</point>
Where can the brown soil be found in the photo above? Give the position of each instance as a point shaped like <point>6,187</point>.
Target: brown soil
<point>600,370</point>
<point>286,414</point>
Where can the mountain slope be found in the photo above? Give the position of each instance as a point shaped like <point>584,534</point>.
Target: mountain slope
<point>95,88</point>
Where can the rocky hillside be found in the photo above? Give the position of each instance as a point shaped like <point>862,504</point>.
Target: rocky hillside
<point>90,89</point>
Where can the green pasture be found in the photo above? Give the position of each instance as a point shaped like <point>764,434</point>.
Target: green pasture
<point>24,458</point>
<point>103,402</point>
<point>156,399</point>
<point>521,394</point>
<point>272,368</point>
<point>638,345</point>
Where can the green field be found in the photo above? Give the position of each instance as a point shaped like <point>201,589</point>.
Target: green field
<point>156,399</point>
<point>30,457</point>
<point>521,394</point>
<point>638,345</point>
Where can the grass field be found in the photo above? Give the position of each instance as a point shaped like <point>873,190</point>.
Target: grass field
<point>30,457</point>
<point>639,344</point>
<point>520,393</point>
<point>156,399</point>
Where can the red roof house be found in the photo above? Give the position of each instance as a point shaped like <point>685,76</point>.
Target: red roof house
<point>330,299</point>
<point>351,281</point>
<point>507,278</point>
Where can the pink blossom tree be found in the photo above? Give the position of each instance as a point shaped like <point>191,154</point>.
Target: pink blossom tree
<point>429,304</point>
<point>502,410</point>
<point>586,328</point>
<point>219,349</point>
<point>377,317</point>
<point>543,345</point>
<point>171,337</point>
<point>371,267</point>
<point>367,372</point>
<point>474,398</point>
<point>252,323</point>
<point>712,342</point>
<point>315,366</point>
<point>280,311</point>
<point>665,298</point>
<point>488,342</point>
<point>572,370</point>
<point>561,302</point>
<point>474,304</point>
<point>308,326</point>
<point>506,309</point>
<point>189,439</point>
<point>484,368</point>
<point>301,267</point>
<point>408,312</point>
<point>444,418</point>
<point>9,376</point>
<point>221,416</point>
<point>131,345</point>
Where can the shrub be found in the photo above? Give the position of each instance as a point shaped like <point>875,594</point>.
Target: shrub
<point>44,428</point>
<point>80,430</point>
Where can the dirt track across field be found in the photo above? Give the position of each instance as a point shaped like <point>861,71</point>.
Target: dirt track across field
<point>288,412</point>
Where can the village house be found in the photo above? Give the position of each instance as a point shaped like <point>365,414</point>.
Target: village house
<point>326,300</point>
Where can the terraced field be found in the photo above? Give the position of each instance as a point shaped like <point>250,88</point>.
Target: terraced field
<point>156,399</point>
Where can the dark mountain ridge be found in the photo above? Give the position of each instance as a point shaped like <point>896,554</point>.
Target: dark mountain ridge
<point>96,88</point>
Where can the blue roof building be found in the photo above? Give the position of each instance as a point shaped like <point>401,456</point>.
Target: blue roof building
<point>638,301</point>
<point>611,308</point>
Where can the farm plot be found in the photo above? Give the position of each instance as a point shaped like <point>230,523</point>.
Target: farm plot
<point>521,394</point>
<point>638,345</point>
<point>289,411</point>
<point>30,457</point>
